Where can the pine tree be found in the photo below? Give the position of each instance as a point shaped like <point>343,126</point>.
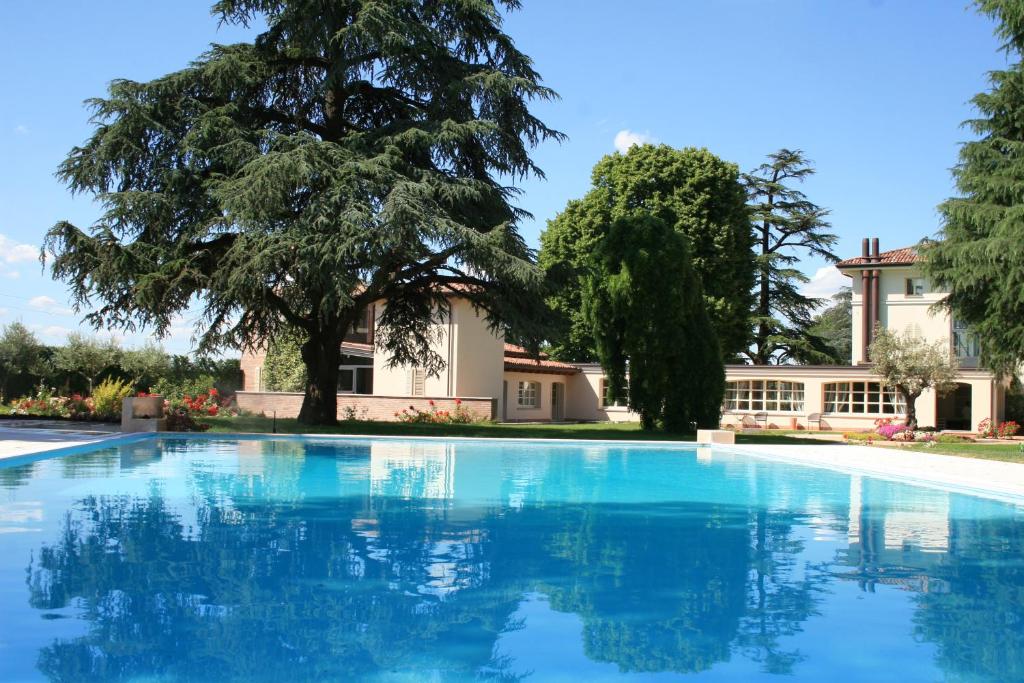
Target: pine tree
<point>786,226</point>
<point>835,326</point>
<point>647,314</point>
<point>356,151</point>
<point>980,258</point>
<point>693,191</point>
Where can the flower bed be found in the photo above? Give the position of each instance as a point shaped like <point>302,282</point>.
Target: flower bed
<point>434,416</point>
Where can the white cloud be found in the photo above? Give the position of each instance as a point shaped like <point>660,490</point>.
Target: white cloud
<point>48,305</point>
<point>626,138</point>
<point>53,334</point>
<point>21,129</point>
<point>15,252</point>
<point>825,282</point>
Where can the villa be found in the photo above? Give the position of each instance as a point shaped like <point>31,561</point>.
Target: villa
<point>504,382</point>
<point>889,291</point>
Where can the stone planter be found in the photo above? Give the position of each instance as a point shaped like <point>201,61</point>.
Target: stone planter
<point>143,414</point>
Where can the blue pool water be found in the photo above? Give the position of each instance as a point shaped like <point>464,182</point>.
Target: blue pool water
<point>295,560</point>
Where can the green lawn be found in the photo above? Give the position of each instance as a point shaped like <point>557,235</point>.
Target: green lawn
<point>1004,452</point>
<point>605,430</point>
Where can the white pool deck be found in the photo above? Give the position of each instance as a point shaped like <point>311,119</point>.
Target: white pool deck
<point>988,478</point>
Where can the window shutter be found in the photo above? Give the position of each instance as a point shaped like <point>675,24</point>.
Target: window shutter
<point>417,382</point>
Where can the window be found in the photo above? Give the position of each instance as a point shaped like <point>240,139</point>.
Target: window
<point>915,286</point>
<point>965,344</point>
<point>764,395</point>
<point>529,395</point>
<point>606,401</point>
<point>862,398</point>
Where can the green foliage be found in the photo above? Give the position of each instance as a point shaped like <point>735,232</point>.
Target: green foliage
<point>979,260</point>
<point>786,224</point>
<point>108,396</point>
<point>145,365</point>
<point>283,369</point>
<point>21,354</point>
<point>643,302</point>
<point>692,191</point>
<point>353,152</point>
<point>834,326</point>
<point>176,390</point>
<point>88,357</point>
<point>910,365</point>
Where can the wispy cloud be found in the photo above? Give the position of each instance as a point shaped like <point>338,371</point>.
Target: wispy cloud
<point>825,282</point>
<point>21,129</point>
<point>626,138</point>
<point>54,334</point>
<point>48,304</point>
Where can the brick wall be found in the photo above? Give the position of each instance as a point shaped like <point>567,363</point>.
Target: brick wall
<point>367,407</point>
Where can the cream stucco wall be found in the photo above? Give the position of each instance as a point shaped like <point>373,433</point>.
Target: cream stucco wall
<point>584,398</point>
<point>985,397</point>
<point>898,312</point>
<point>478,364</point>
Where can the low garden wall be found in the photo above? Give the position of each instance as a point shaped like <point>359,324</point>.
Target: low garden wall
<point>365,406</point>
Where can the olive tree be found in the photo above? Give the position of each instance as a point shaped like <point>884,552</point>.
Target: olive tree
<point>910,364</point>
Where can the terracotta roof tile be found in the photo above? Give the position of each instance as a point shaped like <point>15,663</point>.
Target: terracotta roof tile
<point>520,352</point>
<point>904,256</point>
<point>550,367</point>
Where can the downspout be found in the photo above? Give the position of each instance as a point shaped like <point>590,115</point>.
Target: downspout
<point>451,352</point>
<point>876,302</point>
<point>865,303</point>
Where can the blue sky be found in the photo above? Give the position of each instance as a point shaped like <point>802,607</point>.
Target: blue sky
<point>873,91</point>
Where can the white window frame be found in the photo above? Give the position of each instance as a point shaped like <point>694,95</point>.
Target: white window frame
<point>764,395</point>
<point>861,397</point>
<point>528,394</point>
<point>603,396</point>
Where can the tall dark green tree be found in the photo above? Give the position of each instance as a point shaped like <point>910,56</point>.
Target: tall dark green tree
<point>693,191</point>
<point>21,355</point>
<point>357,150</point>
<point>786,226</point>
<point>980,258</point>
<point>643,301</point>
<point>835,325</point>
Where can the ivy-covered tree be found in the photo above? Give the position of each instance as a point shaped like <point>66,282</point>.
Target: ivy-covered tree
<point>910,364</point>
<point>979,259</point>
<point>786,226</point>
<point>283,369</point>
<point>653,337</point>
<point>355,151</point>
<point>691,190</point>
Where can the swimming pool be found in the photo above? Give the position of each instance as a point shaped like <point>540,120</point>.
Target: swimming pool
<point>219,559</point>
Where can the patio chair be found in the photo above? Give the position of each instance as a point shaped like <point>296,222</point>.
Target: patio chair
<point>761,420</point>
<point>814,419</point>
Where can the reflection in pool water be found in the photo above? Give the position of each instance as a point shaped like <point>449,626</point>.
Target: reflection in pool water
<point>263,560</point>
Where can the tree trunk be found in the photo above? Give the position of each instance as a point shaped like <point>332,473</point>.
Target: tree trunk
<point>321,355</point>
<point>911,401</point>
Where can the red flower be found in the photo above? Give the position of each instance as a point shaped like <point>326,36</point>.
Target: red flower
<point>431,401</point>
<point>458,401</point>
<point>213,391</point>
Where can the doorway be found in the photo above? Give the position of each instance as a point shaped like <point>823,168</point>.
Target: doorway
<point>953,411</point>
<point>557,401</point>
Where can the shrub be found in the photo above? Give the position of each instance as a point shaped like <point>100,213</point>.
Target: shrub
<point>905,435</point>
<point>108,396</point>
<point>177,390</point>
<point>890,431</point>
<point>180,420</point>
<point>987,429</point>
<point>434,416</point>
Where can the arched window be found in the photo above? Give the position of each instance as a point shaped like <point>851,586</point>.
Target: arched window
<point>862,398</point>
<point>767,395</point>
